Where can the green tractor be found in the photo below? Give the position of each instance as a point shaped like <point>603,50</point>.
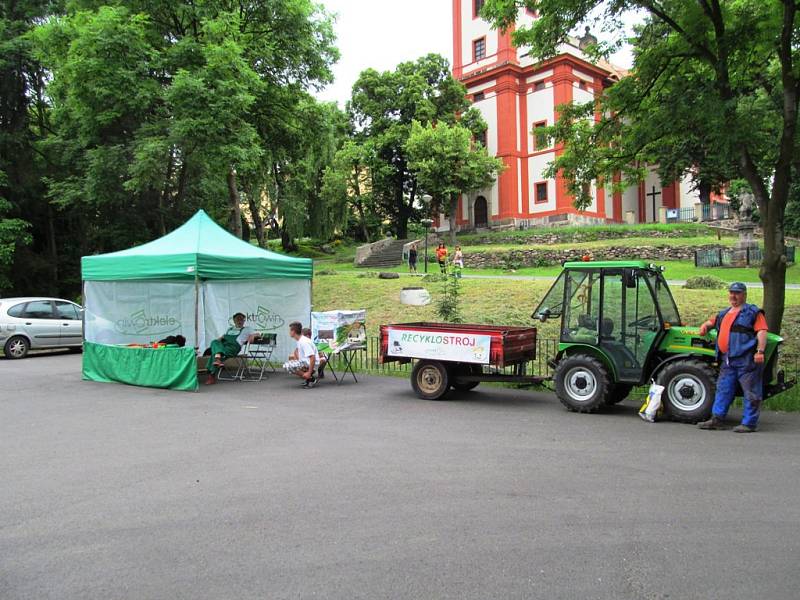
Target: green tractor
<point>620,328</point>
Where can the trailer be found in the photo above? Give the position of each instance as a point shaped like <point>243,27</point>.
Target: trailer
<point>459,356</point>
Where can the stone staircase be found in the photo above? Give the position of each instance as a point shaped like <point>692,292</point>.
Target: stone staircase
<point>382,254</point>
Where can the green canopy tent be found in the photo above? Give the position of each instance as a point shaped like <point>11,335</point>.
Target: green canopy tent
<point>189,282</point>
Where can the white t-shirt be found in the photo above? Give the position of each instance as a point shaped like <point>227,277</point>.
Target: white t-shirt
<point>242,336</point>
<point>306,349</point>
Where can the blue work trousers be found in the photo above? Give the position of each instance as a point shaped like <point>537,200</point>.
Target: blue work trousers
<point>749,375</point>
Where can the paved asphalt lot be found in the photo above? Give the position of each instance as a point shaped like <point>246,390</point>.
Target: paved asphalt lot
<point>363,491</point>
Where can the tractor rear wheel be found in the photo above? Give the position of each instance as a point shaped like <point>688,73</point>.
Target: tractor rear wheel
<point>582,383</point>
<point>618,393</point>
<point>689,388</point>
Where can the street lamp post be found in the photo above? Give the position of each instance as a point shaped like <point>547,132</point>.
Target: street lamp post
<point>427,223</point>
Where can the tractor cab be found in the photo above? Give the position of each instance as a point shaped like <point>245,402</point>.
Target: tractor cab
<point>622,308</point>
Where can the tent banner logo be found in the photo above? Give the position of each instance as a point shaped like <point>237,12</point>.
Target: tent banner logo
<point>263,319</point>
<point>140,323</point>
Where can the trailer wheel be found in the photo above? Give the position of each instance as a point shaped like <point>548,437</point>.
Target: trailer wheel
<point>469,385</point>
<point>618,393</point>
<point>689,388</point>
<point>430,379</point>
<point>582,383</point>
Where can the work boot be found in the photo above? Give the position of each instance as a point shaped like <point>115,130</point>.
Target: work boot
<point>712,423</point>
<point>744,429</point>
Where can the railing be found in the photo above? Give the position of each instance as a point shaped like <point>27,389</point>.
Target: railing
<point>727,257</point>
<point>708,212</point>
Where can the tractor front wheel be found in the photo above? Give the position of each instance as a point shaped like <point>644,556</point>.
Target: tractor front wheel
<point>689,388</point>
<point>582,383</point>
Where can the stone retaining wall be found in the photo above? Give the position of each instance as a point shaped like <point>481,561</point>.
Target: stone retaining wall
<point>516,259</point>
<point>578,236</point>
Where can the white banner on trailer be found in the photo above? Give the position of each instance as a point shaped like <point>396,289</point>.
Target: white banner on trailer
<point>457,346</point>
<point>269,304</point>
<point>138,312</point>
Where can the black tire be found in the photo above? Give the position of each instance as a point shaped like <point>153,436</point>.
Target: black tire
<point>618,393</point>
<point>16,347</point>
<point>471,385</point>
<point>430,379</point>
<point>582,383</point>
<point>689,388</point>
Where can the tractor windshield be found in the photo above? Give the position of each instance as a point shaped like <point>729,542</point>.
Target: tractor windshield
<point>666,304</point>
<point>553,301</point>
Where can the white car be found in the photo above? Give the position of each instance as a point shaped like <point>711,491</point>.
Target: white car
<point>33,323</point>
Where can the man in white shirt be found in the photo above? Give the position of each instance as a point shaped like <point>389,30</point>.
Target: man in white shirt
<point>304,360</point>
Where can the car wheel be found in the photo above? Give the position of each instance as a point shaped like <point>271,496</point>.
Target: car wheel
<point>430,379</point>
<point>689,388</point>
<point>618,393</point>
<point>17,347</point>
<point>582,383</point>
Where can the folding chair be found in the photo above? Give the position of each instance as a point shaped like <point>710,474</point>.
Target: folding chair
<point>258,355</point>
<point>252,361</point>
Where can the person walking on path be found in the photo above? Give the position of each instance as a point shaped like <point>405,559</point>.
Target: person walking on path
<point>458,260</point>
<point>741,342</point>
<point>441,256</point>
<point>412,258</point>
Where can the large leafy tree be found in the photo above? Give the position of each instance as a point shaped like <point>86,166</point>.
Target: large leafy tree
<point>715,82</point>
<point>447,163</point>
<point>154,109</point>
<point>383,108</point>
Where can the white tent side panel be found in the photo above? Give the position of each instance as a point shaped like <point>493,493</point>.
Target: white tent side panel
<point>138,312</point>
<point>269,304</point>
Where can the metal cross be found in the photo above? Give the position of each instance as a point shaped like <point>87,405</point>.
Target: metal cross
<point>653,195</point>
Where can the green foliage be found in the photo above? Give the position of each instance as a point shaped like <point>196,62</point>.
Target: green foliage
<point>120,120</point>
<point>447,164</point>
<point>712,94</point>
<point>448,304</point>
<point>704,282</point>
<point>382,110</point>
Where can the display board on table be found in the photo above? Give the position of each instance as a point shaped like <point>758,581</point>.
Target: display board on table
<point>337,330</point>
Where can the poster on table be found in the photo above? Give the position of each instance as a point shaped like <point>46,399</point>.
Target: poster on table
<point>461,347</point>
<point>269,306</point>
<point>337,330</point>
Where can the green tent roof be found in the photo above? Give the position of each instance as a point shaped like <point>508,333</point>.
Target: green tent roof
<point>200,248</point>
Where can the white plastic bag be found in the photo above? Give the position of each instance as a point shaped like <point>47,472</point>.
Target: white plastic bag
<point>652,406</point>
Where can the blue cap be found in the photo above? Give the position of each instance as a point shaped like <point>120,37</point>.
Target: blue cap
<point>737,286</point>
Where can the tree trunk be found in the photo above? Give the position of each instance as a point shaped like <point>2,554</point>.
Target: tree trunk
<point>235,212</point>
<point>358,202</point>
<point>52,250</point>
<point>258,221</point>
<point>704,191</point>
<point>452,211</point>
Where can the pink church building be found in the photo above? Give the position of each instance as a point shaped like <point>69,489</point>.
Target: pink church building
<point>516,95</point>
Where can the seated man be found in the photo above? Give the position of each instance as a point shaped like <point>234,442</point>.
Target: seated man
<point>305,358</point>
<point>228,345</point>
<point>323,360</point>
